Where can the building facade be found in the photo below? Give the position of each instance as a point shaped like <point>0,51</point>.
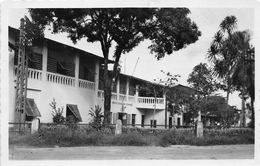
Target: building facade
<point>72,77</point>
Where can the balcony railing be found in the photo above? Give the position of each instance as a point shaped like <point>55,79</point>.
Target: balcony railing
<point>122,97</point>
<point>60,79</point>
<point>114,96</point>
<point>131,99</point>
<point>101,94</point>
<point>35,74</point>
<point>32,73</point>
<point>86,84</point>
<point>149,102</point>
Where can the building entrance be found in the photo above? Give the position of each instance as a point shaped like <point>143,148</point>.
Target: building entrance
<point>170,122</point>
<point>122,117</point>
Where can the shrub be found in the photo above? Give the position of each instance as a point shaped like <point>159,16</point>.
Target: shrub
<point>57,116</point>
<point>97,116</point>
<point>131,139</point>
<point>62,135</point>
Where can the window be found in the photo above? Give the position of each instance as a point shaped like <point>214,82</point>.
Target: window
<point>133,120</point>
<point>178,121</point>
<point>87,69</point>
<point>34,60</point>
<point>60,60</point>
<point>122,88</point>
<point>61,68</point>
<point>122,117</point>
<point>72,113</point>
<point>115,86</point>
<point>31,110</point>
<point>131,90</point>
<point>170,122</point>
<point>153,123</point>
<point>142,120</point>
<point>111,117</point>
<point>100,81</point>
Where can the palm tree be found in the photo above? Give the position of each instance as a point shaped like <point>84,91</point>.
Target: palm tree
<point>228,52</point>
<point>243,72</point>
<point>97,116</point>
<point>221,55</point>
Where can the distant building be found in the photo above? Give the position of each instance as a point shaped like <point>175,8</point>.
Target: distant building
<point>72,77</point>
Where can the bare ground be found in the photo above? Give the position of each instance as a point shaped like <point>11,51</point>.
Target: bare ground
<point>132,153</point>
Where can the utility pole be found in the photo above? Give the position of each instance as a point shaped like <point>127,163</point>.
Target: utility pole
<point>21,80</point>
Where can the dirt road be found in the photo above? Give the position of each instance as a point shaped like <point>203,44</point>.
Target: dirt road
<point>127,152</point>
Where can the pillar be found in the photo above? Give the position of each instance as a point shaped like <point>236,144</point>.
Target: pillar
<point>44,62</point>
<point>118,130</point>
<point>118,87</point>
<point>77,58</point>
<point>96,81</point>
<point>35,125</point>
<point>127,89</point>
<point>136,93</point>
<point>166,109</point>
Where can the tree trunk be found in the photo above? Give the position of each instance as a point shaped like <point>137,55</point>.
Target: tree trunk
<point>154,106</point>
<point>108,85</point>
<point>243,109</point>
<point>253,113</point>
<point>107,101</point>
<point>227,99</point>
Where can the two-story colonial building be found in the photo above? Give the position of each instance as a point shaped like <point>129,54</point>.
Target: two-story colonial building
<point>72,77</point>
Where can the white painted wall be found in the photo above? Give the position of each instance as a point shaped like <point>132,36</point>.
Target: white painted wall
<point>43,93</point>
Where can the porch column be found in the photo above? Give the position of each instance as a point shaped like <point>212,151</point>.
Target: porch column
<point>44,62</point>
<point>96,82</point>
<point>136,93</point>
<point>76,70</point>
<point>127,89</point>
<point>166,109</point>
<point>118,87</point>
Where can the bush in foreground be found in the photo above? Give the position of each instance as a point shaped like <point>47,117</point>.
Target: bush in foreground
<point>219,137</point>
<point>61,135</point>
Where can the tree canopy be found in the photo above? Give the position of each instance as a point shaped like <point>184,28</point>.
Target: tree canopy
<point>225,114</point>
<point>232,57</point>
<point>202,80</point>
<point>169,29</point>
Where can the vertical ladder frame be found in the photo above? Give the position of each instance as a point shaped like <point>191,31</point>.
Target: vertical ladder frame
<point>21,80</point>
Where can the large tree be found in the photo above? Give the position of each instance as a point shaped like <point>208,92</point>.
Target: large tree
<point>243,72</point>
<point>169,29</point>
<point>228,53</point>
<point>220,53</point>
<point>217,107</point>
<point>202,80</point>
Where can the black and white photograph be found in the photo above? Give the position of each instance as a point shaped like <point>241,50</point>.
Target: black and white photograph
<point>121,83</point>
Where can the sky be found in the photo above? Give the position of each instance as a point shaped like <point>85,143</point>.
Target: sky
<point>181,62</point>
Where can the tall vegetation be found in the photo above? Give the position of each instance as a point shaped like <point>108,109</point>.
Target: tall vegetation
<point>202,80</point>
<point>233,59</point>
<point>97,117</point>
<point>168,29</point>
<point>57,113</point>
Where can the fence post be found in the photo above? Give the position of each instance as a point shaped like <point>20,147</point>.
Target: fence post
<point>199,129</point>
<point>35,125</point>
<point>118,130</point>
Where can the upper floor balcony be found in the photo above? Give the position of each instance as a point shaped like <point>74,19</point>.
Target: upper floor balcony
<point>35,76</point>
<point>150,103</point>
<point>137,101</point>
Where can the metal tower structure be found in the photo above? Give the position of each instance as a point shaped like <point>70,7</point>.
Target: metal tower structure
<point>21,80</point>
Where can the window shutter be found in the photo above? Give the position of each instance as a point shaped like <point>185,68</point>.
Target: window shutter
<point>111,118</point>
<point>128,116</point>
<point>114,118</point>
